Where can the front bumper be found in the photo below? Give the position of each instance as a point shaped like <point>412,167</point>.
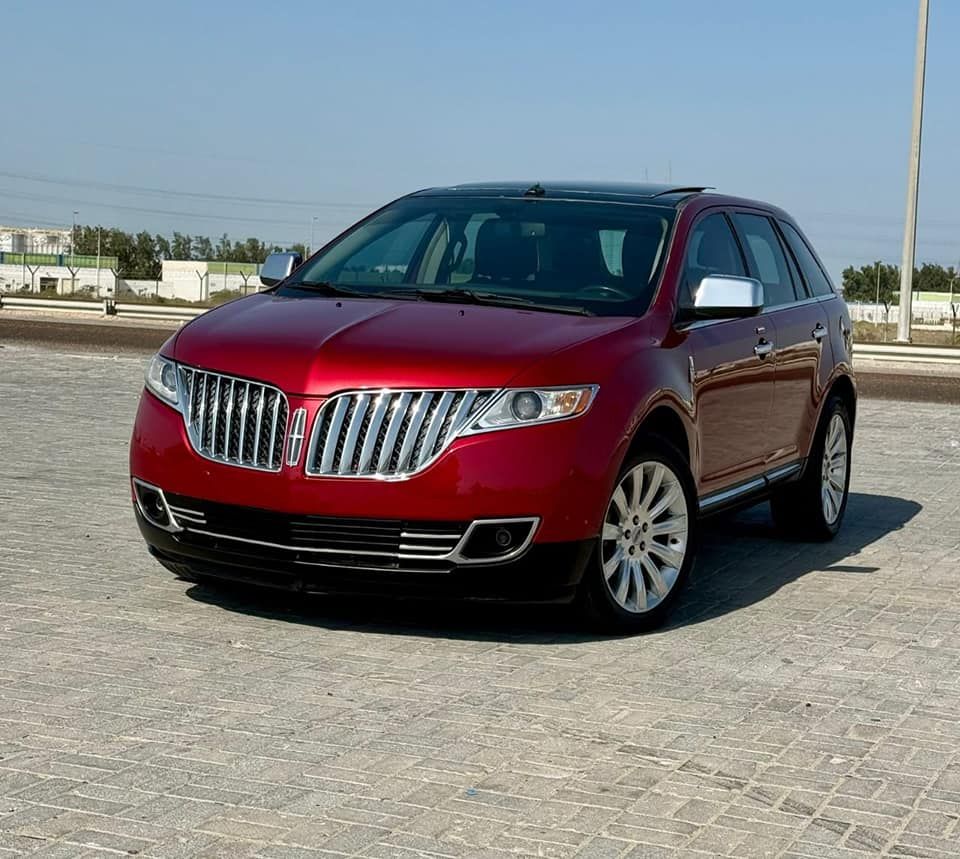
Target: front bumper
<point>560,473</point>
<point>542,573</point>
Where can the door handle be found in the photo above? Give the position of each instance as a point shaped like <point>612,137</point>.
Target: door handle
<point>763,348</point>
<point>819,332</point>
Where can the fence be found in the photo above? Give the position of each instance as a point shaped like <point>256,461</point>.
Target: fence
<point>924,313</point>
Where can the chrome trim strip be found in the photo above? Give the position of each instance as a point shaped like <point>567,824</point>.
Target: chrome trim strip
<point>203,412</point>
<point>413,430</point>
<point>393,430</point>
<point>213,421</point>
<point>750,486</point>
<point>433,429</point>
<point>273,426</point>
<point>229,418</point>
<point>453,556</point>
<point>734,492</point>
<point>336,424</point>
<point>353,431</point>
<point>783,471</point>
<point>298,425</point>
<point>460,418</point>
<point>311,549</point>
<point>244,409</point>
<point>256,437</point>
<point>373,431</point>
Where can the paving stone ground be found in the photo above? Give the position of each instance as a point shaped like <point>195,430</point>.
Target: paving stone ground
<point>805,701</point>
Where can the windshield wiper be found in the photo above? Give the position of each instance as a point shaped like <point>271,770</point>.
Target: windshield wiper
<point>472,296</point>
<point>328,288</point>
<point>323,286</point>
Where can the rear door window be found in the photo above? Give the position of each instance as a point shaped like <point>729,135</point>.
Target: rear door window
<point>817,281</point>
<point>766,258</point>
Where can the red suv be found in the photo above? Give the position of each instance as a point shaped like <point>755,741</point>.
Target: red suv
<point>504,390</point>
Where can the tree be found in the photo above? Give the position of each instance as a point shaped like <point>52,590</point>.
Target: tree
<point>861,284</point>
<point>933,278</point>
<point>181,247</point>
<point>202,248</point>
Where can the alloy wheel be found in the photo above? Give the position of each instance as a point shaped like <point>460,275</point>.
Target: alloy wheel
<point>833,470</point>
<point>645,537</point>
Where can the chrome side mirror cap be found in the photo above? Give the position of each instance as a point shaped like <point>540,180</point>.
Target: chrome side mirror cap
<point>279,267</point>
<point>724,297</point>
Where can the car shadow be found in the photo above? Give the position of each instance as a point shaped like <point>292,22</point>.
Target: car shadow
<point>743,560</point>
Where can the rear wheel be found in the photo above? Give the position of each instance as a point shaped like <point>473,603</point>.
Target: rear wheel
<point>813,507</point>
<point>646,546</point>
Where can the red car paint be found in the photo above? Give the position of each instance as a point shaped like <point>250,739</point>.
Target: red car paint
<point>741,416</point>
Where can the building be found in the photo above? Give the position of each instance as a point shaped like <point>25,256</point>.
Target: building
<point>34,240</point>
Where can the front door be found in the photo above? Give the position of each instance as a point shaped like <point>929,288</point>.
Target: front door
<point>731,366</point>
<point>733,383</point>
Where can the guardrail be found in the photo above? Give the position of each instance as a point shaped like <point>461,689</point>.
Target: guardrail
<point>106,307</point>
<point>907,353</point>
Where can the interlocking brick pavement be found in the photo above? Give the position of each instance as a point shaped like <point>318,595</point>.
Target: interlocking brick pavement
<point>805,702</point>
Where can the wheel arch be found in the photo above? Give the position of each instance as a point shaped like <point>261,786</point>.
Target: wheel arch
<point>844,388</point>
<point>665,420</point>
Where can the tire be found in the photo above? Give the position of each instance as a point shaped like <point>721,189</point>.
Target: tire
<point>643,556</point>
<point>812,508</point>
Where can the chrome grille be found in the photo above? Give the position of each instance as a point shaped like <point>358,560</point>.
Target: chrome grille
<point>234,421</point>
<point>388,433</point>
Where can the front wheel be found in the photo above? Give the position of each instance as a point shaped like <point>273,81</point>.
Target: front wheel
<point>646,546</point>
<point>813,507</point>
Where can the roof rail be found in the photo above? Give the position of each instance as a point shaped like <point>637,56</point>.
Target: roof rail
<point>684,189</point>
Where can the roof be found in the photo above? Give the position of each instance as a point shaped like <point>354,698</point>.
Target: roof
<point>614,192</point>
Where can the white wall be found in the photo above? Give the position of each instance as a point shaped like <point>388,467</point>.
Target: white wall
<point>14,277</point>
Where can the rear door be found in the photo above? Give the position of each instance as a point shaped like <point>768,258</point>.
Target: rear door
<point>731,367</point>
<point>801,331</point>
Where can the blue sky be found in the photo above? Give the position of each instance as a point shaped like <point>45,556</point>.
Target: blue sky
<point>323,110</point>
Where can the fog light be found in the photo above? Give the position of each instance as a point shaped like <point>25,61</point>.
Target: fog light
<point>152,506</point>
<point>497,540</point>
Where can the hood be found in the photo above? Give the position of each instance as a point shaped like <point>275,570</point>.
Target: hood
<point>317,345</point>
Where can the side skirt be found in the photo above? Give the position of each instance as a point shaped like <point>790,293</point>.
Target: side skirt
<point>750,491</point>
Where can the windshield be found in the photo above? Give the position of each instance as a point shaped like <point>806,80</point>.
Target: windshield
<point>600,258</point>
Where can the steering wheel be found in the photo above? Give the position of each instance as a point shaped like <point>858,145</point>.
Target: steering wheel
<point>606,290</point>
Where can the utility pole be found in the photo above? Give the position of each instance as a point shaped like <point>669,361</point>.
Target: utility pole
<point>73,254</point>
<point>313,227</point>
<point>913,183</point>
<point>877,305</point>
<point>98,261</point>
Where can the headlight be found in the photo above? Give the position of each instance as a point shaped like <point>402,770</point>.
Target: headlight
<point>521,406</point>
<point>161,379</point>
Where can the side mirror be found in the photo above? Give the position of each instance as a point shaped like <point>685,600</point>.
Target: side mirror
<point>279,267</point>
<point>723,297</point>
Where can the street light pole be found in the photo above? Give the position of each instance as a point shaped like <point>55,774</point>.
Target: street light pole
<point>313,228</point>
<point>876,308</point>
<point>73,240</point>
<point>913,183</point>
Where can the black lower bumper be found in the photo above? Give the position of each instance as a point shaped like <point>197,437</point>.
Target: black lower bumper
<point>548,572</point>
